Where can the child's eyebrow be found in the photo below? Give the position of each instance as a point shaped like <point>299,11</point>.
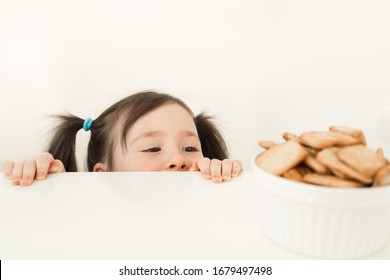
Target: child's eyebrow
<point>189,133</point>
<point>155,133</point>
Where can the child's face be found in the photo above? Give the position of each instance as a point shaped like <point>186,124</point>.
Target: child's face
<point>164,139</point>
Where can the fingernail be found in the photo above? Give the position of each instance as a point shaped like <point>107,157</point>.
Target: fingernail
<point>24,182</point>
<point>217,179</point>
<point>15,181</point>
<point>226,178</point>
<point>40,175</point>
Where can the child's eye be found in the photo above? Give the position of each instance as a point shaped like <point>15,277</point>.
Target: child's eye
<point>152,150</point>
<point>191,149</point>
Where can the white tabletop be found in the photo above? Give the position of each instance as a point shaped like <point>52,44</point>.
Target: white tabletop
<point>137,215</point>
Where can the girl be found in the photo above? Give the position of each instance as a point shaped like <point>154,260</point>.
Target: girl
<point>147,131</point>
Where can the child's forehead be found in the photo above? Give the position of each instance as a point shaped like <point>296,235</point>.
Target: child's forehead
<point>165,117</point>
<point>167,111</point>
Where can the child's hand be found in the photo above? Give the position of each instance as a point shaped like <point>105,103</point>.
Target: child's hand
<point>217,170</point>
<point>24,172</point>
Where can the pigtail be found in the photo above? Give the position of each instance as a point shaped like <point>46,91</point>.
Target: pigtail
<point>63,142</point>
<point>212,142</point>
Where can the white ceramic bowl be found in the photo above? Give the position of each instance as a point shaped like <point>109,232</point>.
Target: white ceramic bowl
<point>323,222</point>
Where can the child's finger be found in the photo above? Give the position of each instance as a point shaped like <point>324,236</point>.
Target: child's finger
<point>227,166</point>
<point>43,162</point>
<point>237,168</point>
<point>7,168</point>
<point>204,166</point>
<point>28,172</point>
<point>194,167</point>
<point>216,170</point>
<point>56,166</point>
<point>17,172</point>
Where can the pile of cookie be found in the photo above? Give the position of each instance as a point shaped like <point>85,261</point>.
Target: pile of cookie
<point>335,158</point>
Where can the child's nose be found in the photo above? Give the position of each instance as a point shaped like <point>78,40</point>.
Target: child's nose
<point>178,163</point>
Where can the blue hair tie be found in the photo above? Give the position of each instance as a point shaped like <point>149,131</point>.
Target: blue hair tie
<point>87,124</point>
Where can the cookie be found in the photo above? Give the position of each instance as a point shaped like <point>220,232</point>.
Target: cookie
<point>339,174</point>
<point>329,158</point>
<point>330,181</point>
<point>357,133</point>
<point>303,169</point>
<point>381,155</point>
<point>290,136</point>
<point>293,174</point>
<point>324,139</point>
<point>314,164</point>
<point>382,177</point>
<point>266,144</point>
<point>281,157</point>
<point>361,159</point>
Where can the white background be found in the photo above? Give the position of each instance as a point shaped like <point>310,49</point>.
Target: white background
<point>261,67</point>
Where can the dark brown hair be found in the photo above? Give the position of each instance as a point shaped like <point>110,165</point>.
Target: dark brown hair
<point>130,109</point>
